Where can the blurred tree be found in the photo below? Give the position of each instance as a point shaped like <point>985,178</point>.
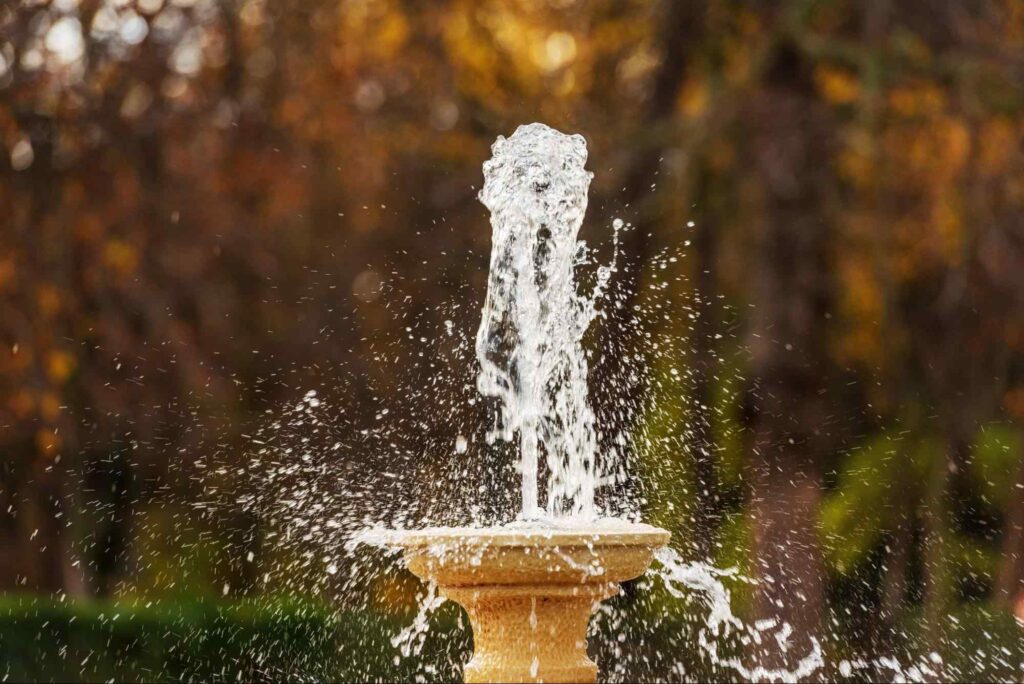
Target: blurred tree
<point>790,147</point>
<point>207,206</point>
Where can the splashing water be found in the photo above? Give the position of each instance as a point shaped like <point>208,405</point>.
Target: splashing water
<point>529,346</point>
<point>533,321</point>
<point>680,623</point>
<point>682,579</point>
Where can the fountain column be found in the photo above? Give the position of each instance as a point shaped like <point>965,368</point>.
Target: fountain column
<point>529,592</point>
<point>531,632</point>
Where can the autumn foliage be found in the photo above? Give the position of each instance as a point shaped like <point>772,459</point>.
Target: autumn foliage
<point>203,201</point>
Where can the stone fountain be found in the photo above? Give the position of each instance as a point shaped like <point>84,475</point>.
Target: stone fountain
<point>529,592</point>
<point>530,587</point>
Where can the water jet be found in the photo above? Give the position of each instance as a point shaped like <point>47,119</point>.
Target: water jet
<point>529,587</point>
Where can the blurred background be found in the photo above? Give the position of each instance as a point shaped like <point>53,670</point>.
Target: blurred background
<point>208,207</point>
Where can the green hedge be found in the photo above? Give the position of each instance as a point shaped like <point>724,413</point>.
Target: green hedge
<point>43,639</point>
<point>650,638</point>
<point>48,640</point>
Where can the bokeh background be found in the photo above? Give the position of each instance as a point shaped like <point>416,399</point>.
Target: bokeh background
<point>208,207</point>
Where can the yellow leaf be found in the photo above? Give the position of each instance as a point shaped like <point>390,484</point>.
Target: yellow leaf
<point>120,256</point>
<point>59,365</point>
<point>836,85</point>
<point>695,98</point>
<point>956,142</point>
<point>49,406</point>
<point>999,143</point>
<point>48,299</point>
<point>48,442</point>
<point>917,99</point>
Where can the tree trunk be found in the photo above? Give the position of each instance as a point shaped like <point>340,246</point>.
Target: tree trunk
<point>44,532</point>
<point>942,497</point>
<point>1010,576</point>
<point>682,25</point>
<point>894,581</point>
<point>704,476</point>
<point>791,272</point>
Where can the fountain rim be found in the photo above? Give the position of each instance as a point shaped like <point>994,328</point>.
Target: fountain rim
<point>599,534</point>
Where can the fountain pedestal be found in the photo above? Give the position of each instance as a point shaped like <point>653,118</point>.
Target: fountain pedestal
<point>529,592</point>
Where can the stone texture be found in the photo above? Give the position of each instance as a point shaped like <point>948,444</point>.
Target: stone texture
<point>529,593</point>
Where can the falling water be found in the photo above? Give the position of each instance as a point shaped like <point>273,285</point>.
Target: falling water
<point>534,318</point>
<point>531,358</point>
<point>532,361</point>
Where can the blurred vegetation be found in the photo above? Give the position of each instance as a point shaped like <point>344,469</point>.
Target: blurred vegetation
<point>268,640</point>
<point>209,206</point>
<point>271,640</point>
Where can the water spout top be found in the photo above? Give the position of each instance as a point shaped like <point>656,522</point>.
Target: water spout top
<point>537,169</point>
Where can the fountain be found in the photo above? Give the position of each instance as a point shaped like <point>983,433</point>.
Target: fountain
<point>529,591</point>
<point>528,584</point>
<point>529,587</point>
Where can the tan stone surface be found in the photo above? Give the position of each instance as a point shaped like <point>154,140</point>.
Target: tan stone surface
<point>529,593</point>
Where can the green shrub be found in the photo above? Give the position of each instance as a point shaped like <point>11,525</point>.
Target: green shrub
<point>43,639</point>
<point>648,637</point>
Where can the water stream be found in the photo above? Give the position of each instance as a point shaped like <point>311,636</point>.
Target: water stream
<point>534,368</point>
<point>529,346</point>
<point>534,317</point>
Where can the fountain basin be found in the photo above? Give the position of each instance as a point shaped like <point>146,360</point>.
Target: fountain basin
<point>530,591</point>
